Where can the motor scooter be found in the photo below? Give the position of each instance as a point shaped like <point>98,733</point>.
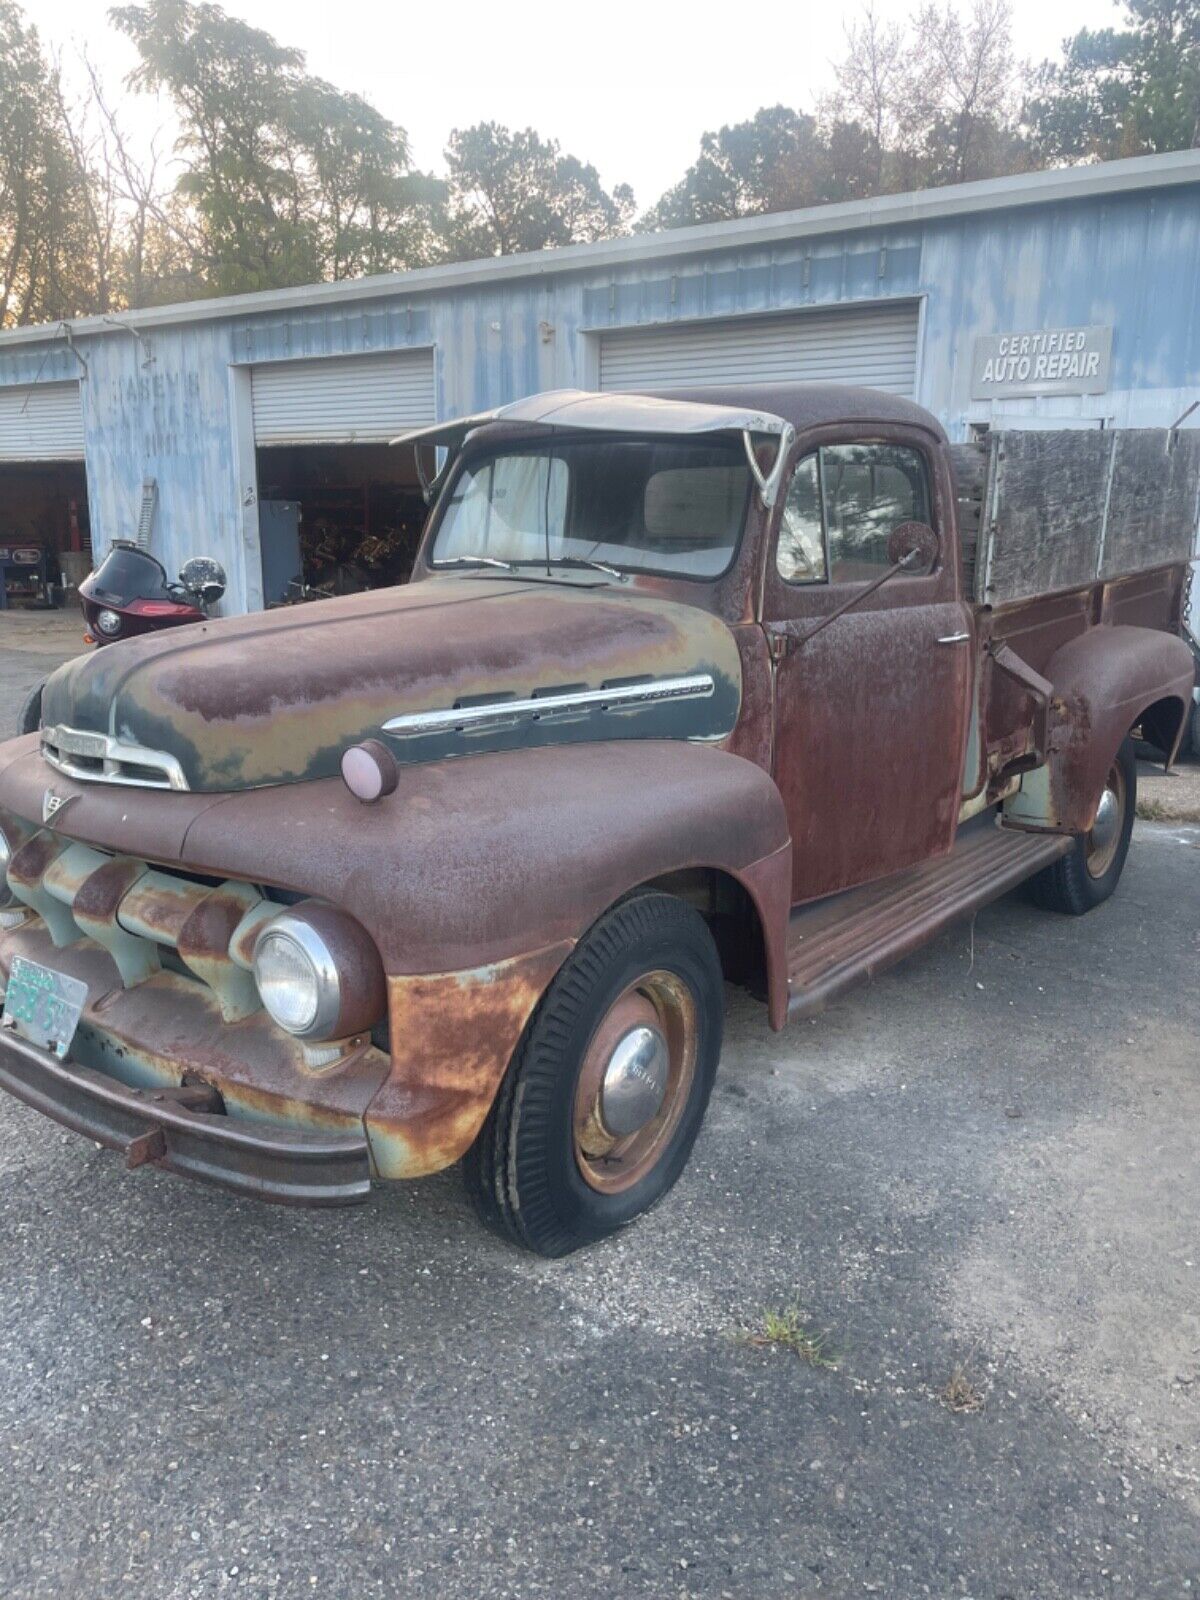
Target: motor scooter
<point>129,594</point>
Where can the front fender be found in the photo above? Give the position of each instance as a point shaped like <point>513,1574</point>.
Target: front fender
<point>477,877</point>
<point>1103,683</point>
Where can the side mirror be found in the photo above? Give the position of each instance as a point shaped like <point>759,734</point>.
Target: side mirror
<point>203,577</point>
<point>914,546</point>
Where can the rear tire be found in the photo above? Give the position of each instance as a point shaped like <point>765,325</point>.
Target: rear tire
<point>1085,877</point>
<point>547,1172</point>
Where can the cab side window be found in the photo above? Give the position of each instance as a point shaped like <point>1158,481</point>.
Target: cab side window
<point>844,502</point>
<point>870,489</point>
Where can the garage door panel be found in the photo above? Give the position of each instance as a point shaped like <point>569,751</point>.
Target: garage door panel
<point>342,399</point>
<point>41,422</point>
<point>876,346</point>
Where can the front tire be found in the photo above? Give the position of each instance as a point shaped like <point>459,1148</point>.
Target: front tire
<point>1086,876</point>
<point>604,1097</point>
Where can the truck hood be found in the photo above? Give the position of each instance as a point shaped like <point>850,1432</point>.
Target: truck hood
<point>276,698</point>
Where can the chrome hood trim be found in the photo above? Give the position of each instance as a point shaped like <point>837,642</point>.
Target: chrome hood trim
<point>536,708</point>
<point>99,758</point>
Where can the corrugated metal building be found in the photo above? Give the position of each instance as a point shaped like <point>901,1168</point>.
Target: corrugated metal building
<point>1063,297</point>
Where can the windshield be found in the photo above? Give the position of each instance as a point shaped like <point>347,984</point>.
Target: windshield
<point>673,506</point>
<point>126,574</point>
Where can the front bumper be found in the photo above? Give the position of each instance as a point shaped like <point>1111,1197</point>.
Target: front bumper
<point>158,1126</point>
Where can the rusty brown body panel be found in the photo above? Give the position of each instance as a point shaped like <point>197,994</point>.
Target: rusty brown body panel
<point>453,1034</point>
<point>1104,683</point>
<point>473,861</point>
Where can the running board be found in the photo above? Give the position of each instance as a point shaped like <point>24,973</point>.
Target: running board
<point>836,942</point>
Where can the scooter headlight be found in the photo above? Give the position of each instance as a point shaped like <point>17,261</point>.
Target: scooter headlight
<point>109,623</point>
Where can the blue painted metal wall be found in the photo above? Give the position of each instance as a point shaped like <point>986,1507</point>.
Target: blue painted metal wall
<point>174,405</point>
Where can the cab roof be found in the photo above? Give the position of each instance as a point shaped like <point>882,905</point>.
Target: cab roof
<point>809,405</point>
<point>728,408</point>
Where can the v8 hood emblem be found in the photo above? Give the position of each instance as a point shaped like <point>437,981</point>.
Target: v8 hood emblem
<point>53,803</point>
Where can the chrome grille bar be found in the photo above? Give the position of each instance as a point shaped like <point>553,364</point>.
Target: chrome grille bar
<point>99,758</point>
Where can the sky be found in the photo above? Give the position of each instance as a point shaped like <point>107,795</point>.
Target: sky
<point>628,86</point>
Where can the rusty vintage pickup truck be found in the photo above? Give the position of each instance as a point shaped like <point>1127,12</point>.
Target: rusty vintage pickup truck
<point>760,686</point>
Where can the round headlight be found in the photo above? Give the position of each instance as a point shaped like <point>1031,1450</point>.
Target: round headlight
<point>109,623</point>
<point>297,979</point>
<point>318,973</point>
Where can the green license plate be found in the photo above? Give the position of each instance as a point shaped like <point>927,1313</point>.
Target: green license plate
<point>42,1005</point>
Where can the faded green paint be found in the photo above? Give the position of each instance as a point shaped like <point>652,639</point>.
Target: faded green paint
<point>277,698</point>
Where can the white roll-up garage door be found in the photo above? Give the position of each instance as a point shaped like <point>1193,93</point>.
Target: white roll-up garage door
<point>343,399</point>
<point>41,422</point>
<point>872,345</point>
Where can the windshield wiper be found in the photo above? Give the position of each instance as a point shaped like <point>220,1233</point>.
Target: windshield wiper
<point>575,561</point>
<point>479,561</point>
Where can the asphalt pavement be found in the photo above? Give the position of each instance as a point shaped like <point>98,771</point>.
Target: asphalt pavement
<point>974,1182</point>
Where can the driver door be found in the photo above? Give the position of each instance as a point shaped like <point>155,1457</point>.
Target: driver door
<point>871,713</point>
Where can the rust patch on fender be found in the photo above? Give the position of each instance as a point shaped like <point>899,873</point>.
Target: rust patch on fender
<point>453,1035</point>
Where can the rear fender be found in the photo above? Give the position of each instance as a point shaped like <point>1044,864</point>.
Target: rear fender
<point>1104,683</point>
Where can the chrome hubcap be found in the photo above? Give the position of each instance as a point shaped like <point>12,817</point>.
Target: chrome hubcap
<point>1104,840</point>
<point>635,1081</point>
<point>1108,820</point>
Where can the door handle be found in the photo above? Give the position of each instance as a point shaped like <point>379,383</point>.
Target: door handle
<point>954,638</point>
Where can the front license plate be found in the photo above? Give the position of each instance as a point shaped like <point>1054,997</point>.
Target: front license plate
<point>42,1005</point>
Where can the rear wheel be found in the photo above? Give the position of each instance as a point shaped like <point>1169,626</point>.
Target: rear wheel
<point>1088,874</point>
<point>605,1095</point>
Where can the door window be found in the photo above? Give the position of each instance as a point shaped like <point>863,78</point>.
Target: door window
<point>844,502</point>
<point>800,553</point>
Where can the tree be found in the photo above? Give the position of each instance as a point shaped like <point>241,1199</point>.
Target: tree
<point>517,191</point>
<point>45,258</point>
<point>935,104</point>
<point>963,75</point>
<point>289,179</point>
<point>1122,91</point>
<point>776,161</point>
<point>872,80</point>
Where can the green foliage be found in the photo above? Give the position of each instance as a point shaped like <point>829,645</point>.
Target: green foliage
<point>1124,91</point>
<point>43,258</point>
<point>912,108</point>
<point>514,191</point>
<point>289,179</point>
<point>779,160</point>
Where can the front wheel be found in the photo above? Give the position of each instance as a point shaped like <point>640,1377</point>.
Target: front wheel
<point>605,1095</point>
<point>1090,871</point>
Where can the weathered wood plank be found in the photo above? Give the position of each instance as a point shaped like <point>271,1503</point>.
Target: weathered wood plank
<point>1065,507</point>
<point>1046,511</point>
<point>1152,505</point>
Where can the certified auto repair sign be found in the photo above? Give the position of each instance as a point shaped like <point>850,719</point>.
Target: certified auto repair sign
<point>1048,361</point>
